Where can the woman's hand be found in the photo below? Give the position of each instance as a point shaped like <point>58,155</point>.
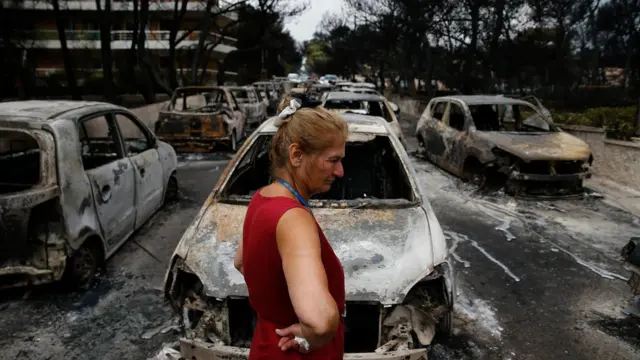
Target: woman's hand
<point>287,340</point>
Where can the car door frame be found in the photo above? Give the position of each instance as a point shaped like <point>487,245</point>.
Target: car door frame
<point>432,131</point>
<point>239,116</point>
<point>455,140</point>
<point>125,224</point>
<point>144,212</point>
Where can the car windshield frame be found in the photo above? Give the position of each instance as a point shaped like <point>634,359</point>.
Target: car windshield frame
<point>241,163</point>
<point>387,113</point>
<point>181,95</point>
<point>537,113</point>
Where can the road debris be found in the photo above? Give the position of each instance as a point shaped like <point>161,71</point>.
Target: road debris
<point>171,324</point>
<point>504,227</point>
<point>168,352</point>
<point>461,237</point>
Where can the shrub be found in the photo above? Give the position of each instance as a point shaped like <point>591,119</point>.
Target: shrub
<point>619,122</point>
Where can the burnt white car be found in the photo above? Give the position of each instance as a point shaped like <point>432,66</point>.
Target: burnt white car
<point>78,178</point>
<point>365,104</point>
<point>399,281</point>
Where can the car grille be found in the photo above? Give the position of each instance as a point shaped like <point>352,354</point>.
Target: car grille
<point>362,325</point>
<point>547,167</point>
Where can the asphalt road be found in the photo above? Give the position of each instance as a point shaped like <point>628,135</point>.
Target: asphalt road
<point>536,280</point>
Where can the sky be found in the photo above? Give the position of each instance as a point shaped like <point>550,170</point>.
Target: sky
<point>303,27</point>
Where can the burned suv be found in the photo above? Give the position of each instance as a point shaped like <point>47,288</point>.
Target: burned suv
<point>399,283</point>
<point>78,178</point>
<point>490,139</point>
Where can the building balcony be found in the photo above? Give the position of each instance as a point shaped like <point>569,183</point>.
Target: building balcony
<point>116,5</point>
<point>98,72</point>
<point>120,40</point>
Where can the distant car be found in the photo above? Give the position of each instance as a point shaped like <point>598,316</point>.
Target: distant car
<point>400,285</point>
<point>488,138</point>
<point>361,90</point>
<point>269,91</point>
<point>366,104</point>
<point>78,178</point>
<point>332,79</point>
<point>197,118</point>
<point>255,110</point>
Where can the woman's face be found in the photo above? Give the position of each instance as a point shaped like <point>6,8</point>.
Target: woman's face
<point>320,170</point>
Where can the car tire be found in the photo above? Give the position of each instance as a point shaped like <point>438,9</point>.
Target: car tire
<point>421,146</point>
<point>171,194</point>
<point>233,142</point>
<point>83,266</point>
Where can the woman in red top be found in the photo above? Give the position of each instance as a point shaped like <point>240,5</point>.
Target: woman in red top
<point>295,280</point>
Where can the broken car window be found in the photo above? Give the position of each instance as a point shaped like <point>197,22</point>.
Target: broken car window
<point>98,142</point>
<point>456,117</point>
<point>197,100</point>
<point>485,117</point>
<point>20,161</point>
<point>372,171</point>
<point>438,110</point>
<point>134,138</point>
<point>514,118</point>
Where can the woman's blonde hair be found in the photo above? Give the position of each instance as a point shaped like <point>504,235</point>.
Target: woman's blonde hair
<point>313,129</point>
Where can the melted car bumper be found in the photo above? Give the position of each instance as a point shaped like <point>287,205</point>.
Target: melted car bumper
<point>195,349</point>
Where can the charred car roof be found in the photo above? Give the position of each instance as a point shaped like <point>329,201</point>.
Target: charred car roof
<point>48,110</point>
<point>352,96</point>
<point>485,100</point>
<point>362,124</point>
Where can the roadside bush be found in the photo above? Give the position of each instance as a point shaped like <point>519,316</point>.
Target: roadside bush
<point>619,122</point>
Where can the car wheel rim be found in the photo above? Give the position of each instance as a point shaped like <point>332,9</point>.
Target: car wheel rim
<point>84,265</point>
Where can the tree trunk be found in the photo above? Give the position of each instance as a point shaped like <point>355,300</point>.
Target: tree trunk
<point>68,61</point>
<point>145,80</point>
<point>132,55</point>
<point>178,15</point>
<point>467,74</point>
<point>105,49</point>
<point>495,41</point>
<point>204,31</point>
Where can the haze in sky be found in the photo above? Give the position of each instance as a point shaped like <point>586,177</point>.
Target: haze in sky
<point>303,27</point>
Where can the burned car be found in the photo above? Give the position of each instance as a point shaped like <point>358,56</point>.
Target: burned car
<point>365,104</point>
<point>255,111</point>
<point>78,178</point>
<point>197,118</point>
<point>399,282</point>
<point>268,91</point>
<point>504,141</point>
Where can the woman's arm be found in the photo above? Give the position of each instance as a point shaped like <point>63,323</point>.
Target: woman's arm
<point>299,247</point>
<point>237,260</point>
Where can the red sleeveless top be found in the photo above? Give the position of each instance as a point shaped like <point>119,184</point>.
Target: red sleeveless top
<point>268,292</point>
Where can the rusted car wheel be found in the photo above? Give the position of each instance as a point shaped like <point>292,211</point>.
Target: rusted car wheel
<point>421,146</point>
<point>233,142</point>
<point>172,190</point>
<point>84,265</point>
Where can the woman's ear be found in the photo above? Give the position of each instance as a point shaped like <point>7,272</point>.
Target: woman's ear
<point>295,155</point>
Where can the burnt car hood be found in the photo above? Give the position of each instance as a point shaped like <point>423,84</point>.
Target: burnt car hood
<point>538,146</point>
<point>383,252</point>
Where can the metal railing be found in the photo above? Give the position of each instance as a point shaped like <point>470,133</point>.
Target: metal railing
<point>123,35</point>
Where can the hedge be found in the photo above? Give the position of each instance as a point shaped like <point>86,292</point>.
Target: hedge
<point>619,122</point>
